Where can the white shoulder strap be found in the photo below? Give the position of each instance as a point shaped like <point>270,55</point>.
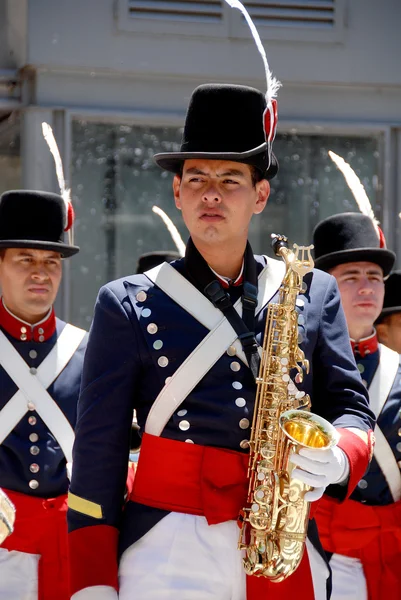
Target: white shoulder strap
<point>379,390</point>
<point>212,347</point>
<point>32,387</point>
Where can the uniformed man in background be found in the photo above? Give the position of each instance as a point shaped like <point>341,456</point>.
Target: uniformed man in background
<point>362,536</point>
<point>41,361</point>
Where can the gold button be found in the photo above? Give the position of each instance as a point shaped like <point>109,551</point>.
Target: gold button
<point>23,337</point>
<point>33,484</point>
<point>231,351</point>
<point>162,361</point>
<point>34,468</point>
<point>41,338</point>
<point>33,371</point>
<point>33,437</point>
<point>141,296</point>
<point>41,331</point>
<point>244,423</point>
<point>244,444</point>
<point>23,329</point>
<point>152,328</point>
<point>31,406</point>
<point>235,366</point>
<point>34,450</point>
<point>32,420</point>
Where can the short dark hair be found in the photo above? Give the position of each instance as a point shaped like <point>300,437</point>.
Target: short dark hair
<point>256,175</point>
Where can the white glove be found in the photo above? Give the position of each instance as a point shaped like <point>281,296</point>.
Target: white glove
<point>97,592</point>
<point>320,468</point>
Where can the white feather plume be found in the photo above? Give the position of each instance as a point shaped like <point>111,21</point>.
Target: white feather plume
<point>272,84</point>
<point>177,239</point>
<point>356,187</point>
<point>64,192</point>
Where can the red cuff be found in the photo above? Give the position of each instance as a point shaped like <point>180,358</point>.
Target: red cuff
<point>359,454</point>
<point>93,557</point>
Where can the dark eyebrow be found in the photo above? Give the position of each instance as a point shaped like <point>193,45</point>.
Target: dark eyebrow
<point>230,172</point>
<point>358,272</point>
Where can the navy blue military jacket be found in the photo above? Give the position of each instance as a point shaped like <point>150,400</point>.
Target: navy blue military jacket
<point>139,337</point>
<point>31,460</point>
<point>373,489</point>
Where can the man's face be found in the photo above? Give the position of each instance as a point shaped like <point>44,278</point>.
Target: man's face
<point>217,199</point>
<point>389,332</point>
<point>29,281</point>
<point>362,292</point>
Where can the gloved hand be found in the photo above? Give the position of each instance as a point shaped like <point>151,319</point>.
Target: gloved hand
<point>97,592</point>
<point>320,468</point>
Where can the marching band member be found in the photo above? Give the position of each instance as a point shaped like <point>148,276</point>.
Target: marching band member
<point>41,360</point>
<point>362,536</point>
<point>156,346</point>
<point>388,325</point>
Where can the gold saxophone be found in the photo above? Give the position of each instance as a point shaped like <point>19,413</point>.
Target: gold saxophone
<point>275,520</point>
<point>7,516</point>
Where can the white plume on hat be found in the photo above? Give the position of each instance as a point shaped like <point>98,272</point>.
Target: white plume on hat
<point>272,84</point>
<point>357,189</point>
<point>175,234</point>
<point>64,192</point>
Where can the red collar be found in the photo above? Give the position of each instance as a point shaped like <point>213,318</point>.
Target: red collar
<point>365,346</point>
<point>225,282</point>
<point>20,330</point>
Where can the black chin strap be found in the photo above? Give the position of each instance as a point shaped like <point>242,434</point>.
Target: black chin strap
<point>208,283</point>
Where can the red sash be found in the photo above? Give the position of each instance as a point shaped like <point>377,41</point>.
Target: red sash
<point>41,528</point>
<point>209,482</point>
<point>370,533</point>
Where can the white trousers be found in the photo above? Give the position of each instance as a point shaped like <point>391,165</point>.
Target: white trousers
<point>184,558</point>
<point>18,575</point>
<point>349,581</point>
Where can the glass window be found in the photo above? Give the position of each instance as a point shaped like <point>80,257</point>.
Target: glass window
<point>115,184</point>
<point>10,160</point>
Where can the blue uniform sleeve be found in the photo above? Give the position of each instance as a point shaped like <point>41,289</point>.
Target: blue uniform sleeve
<point>101,449</point>
<point>338,392</point>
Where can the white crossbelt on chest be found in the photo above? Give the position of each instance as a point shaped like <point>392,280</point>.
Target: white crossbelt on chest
<point>221,335</point>
<point>32,388</point>
<point>379,390</point>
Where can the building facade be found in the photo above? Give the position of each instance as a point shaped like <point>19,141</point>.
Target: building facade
<point>113,78</point>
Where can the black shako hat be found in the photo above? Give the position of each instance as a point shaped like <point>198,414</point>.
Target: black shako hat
<point>392,296</point>
<point>224,122</point>
<point>349,237</point>
<point>153,259</point>
<point>31,219</point>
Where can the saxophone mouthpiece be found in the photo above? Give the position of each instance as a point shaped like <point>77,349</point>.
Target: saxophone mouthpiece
<point>278,241</point>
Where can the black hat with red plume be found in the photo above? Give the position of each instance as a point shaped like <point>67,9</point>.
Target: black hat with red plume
<point>230,122</point>
<point>32,219</point>
<point>350,237</point>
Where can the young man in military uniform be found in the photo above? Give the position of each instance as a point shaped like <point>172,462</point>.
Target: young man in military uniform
<point>41,360</point>
<point>388,325</point>
<point>160,344</point>
<point>363,535</point>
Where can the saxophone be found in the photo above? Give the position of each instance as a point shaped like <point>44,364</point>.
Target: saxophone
<point>274,521</point>
<point>7,516</point>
